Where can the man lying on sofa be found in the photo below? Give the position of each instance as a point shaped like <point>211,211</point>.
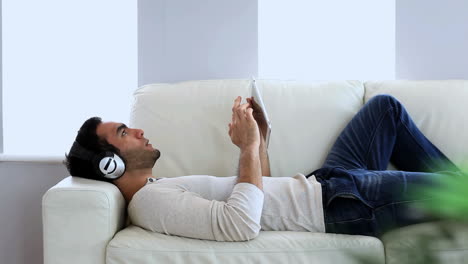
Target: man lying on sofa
<point>352,193</point>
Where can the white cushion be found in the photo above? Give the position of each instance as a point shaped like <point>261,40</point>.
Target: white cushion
<point>192,118</point>
<point>307,117</point>
<point>135,245</point>
<point>188,123</point>
<point>438,108</point>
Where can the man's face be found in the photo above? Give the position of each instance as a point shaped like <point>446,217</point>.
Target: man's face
<point>133,146</point>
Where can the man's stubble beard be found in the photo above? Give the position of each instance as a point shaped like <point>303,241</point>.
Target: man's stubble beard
<point>140,159</point>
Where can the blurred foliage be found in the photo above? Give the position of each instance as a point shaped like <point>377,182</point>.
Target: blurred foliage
<point>448,201</point>
<point>448,196</point>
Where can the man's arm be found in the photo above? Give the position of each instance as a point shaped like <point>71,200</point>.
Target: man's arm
<point>264,159</point>
<point>250,167</point>
<point>265,162</point>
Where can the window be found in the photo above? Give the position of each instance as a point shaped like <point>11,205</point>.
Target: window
<point>63,62</point>
<point>326,40</point>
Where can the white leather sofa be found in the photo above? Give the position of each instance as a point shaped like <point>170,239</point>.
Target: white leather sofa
<point>84,221</point>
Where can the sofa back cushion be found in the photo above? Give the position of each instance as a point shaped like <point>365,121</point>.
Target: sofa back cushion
<point>307,117</point>
<point>439,109</point>
<point>188,123</point>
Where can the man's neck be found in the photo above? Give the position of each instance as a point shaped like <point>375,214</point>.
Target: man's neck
<point>132,181</point>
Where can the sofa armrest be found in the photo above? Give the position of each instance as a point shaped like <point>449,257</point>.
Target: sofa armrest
<point>80,217</point>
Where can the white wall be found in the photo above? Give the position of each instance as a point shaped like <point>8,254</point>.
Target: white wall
<point>431,39</point>
<point>326,40</point>
<point>82,52</point>
<point>189,40</point>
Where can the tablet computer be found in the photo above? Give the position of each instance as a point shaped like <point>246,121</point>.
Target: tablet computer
<point>257,97</point>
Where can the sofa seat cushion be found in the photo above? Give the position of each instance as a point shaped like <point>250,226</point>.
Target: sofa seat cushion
<point>136,245</point>
<point>445,242</point>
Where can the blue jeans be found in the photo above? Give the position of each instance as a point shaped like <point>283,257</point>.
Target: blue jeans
<point>359,195</point>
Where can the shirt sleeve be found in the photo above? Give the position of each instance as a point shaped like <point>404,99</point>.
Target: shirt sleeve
<point>173,210</point>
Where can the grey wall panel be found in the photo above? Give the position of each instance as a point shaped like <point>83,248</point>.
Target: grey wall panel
<point>1,81</point>
<point>23,185</point>
<point>431,39</point>
<point>189,40</point>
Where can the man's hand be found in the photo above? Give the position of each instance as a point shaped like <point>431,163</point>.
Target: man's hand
<point>259,117</point>
<point>243,129</point>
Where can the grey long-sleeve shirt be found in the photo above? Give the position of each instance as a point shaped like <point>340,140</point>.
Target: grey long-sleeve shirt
<point>219,208</point>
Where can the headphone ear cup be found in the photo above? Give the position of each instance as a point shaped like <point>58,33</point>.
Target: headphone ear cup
<point>109,165</point>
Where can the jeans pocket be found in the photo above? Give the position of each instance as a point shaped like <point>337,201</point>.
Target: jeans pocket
<point>347,207</point>
<point>349,195</point>
<point>346,215</point>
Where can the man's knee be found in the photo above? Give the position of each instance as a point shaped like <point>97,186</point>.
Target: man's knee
<point>385,100</point>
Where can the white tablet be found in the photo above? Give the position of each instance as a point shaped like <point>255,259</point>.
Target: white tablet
<point>257,97</point>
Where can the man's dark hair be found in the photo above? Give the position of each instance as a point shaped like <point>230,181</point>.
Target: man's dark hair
<point>88,138</point>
